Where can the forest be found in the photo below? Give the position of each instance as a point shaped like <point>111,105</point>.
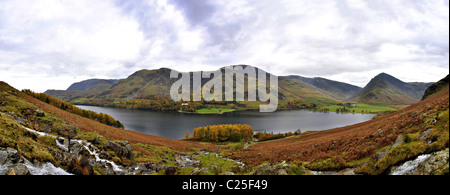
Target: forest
<point>222,133</point>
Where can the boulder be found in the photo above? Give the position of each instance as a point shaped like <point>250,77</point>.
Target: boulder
<point>187,161</point>
<point>18,169</point>
<point>67,131</point>
<point>122,149</point>
<point>273,169</point>
<point>434,164</point>
<point>39,113</point>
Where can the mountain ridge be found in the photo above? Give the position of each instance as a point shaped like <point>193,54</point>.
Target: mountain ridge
<point>385,88</point>
<point>155,84</point>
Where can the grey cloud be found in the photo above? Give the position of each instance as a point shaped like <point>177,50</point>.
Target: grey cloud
<point>197,12</point>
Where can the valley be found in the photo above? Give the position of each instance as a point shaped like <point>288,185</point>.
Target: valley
<point>372,147</point>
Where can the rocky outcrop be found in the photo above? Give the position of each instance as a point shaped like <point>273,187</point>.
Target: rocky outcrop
<point>12,162</point>
<point>428,164</point>
<point>281,168</point>
<point>122,149</point>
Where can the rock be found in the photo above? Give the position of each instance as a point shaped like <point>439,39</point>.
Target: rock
<point>20,120</point>
<point>380,155</point>
<point>424,134</point>
<point>13,155</point>
<point>398,141</point>
<point>171,170</point>
<point>198,171</point>
<point>67,131</point>
<point>3,156</point>
<point>11,171</point>
<point>81,166</point>
<point>39,113</point>
<point>273,169</point>
<point>122,149</point>
<point>96,141</point>
<point>228,173</point>
<point>75,148</point>
<point>19,169</point>
<point>434,164</point>
<point>187,161</point>
<point>379,131</point>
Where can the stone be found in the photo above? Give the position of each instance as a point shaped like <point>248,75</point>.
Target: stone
<point>378,132</point>
<point>13,155</point>
<point>398,141</point>
<point>39,113</point>
<point>198,171</point>
<point>171,170</point>
<point>424,134</point>
<point>11,171</point>
<point>20,120</point>
<point>434,164</point>
<point>3,156</point>
<point>20,169</point>
<point>122,149</point>
<point>273,169</point>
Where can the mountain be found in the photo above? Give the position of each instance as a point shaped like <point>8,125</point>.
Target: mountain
<point>154,84</point>
<point>143,84</point>
<point>335,89</point>
<point>386,89</point>
<point>82,89</point>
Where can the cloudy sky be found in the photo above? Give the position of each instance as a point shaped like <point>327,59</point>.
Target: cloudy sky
<point>49,44</point>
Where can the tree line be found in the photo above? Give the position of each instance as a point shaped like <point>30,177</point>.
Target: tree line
<point>263,136</point>
<point>222,133</point>
<point>63,105</point>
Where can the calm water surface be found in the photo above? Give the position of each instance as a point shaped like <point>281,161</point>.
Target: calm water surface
<point>174,125</point>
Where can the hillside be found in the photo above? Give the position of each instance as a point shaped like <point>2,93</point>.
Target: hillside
<point>33,133</point>
<point>433,89</point>
<point>335,89</point>
<point>372,147</point>
<point>388,90</point>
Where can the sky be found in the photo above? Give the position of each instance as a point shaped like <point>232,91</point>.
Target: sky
<point>50,44</point>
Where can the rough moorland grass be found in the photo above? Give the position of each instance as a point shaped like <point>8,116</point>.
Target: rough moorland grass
<point>411,147</point>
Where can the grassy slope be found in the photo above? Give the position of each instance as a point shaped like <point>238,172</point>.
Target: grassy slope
<point>362,108</point>
<point>357,144</point>
<point>88,125</point>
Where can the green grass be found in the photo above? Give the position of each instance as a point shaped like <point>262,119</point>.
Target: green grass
<point>214,110</point>
<point>361,108</point>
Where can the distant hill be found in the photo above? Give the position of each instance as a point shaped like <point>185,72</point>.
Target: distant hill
<point>98,84</point>
<point>87,88</point>
<point>386,89</point>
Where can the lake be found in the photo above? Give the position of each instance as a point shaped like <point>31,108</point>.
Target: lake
<point>174,125</point>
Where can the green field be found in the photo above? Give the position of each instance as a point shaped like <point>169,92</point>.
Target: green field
<point>359,108</point>
<point>214,110</point>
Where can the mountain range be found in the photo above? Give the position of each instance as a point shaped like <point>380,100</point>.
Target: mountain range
<point>383,89</point>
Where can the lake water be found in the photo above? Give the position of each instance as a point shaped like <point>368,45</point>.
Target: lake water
<point>174,125</point>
